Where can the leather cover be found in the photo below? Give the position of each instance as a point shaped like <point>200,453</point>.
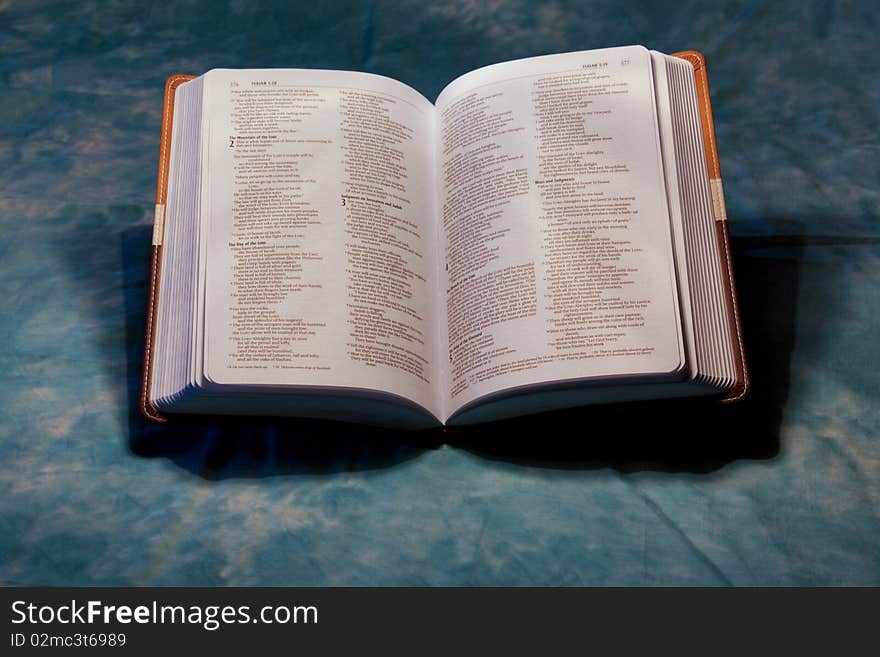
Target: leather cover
<point>147,409</point>
<point>697,61</point>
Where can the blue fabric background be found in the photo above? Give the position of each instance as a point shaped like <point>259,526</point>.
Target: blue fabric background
<point>780,490</point>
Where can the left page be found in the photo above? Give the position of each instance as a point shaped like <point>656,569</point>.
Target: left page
<point>318,212</point>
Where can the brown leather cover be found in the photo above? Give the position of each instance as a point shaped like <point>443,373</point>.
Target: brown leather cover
<point>147,409</point>
<point>695,58</point>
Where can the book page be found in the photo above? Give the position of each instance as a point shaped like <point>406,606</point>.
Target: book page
<point>556,239</point>
<point>318,206</point>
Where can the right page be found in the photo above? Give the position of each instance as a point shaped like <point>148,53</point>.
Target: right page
<point>554,226</point>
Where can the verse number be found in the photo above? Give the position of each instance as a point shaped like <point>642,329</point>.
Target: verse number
<point>343,200</point>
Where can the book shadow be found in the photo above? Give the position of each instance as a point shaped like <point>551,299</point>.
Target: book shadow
<point>681,435</point>
<point>669,435</point>
<point>238,446</point>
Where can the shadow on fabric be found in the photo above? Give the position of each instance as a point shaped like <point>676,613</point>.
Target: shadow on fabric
<point>671,436</point>
<point>244,447</point>
<point>689,435</point>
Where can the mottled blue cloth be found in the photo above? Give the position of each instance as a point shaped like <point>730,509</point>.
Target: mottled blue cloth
<point>782,489</point>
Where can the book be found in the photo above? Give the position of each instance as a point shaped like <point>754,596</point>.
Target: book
<point>549,232</point>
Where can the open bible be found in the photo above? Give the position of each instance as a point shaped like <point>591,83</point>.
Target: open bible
<point>549,232</point>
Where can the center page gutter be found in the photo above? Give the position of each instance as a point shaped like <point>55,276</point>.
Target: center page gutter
<point>555,234</point>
